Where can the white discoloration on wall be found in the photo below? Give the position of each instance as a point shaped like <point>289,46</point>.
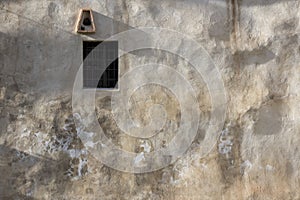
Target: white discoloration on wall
<point>225,144</point>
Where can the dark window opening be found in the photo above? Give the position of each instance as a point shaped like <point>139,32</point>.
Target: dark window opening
<point>101,60</point>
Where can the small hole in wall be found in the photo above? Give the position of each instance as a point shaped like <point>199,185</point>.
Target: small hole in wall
<point>85,22</point>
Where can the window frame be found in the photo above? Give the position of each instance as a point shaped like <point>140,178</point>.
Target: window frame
<point>117,87</point>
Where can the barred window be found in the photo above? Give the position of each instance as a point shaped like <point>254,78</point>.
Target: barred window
<point>100,59</point>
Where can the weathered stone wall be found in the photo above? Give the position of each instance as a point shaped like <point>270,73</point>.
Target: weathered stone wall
<point>253,43</point>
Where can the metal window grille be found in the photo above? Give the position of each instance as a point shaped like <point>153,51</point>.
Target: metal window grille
<point>97,60</point>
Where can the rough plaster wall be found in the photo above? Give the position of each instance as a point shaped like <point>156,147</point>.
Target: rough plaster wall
<point>254,44</point>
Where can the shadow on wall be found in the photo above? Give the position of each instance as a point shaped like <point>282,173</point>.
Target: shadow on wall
<point>107,27</point>
<point>22,172</point>
<point>37,55</point>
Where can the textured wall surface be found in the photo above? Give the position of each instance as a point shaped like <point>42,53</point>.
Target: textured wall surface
<point>253,43</point>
